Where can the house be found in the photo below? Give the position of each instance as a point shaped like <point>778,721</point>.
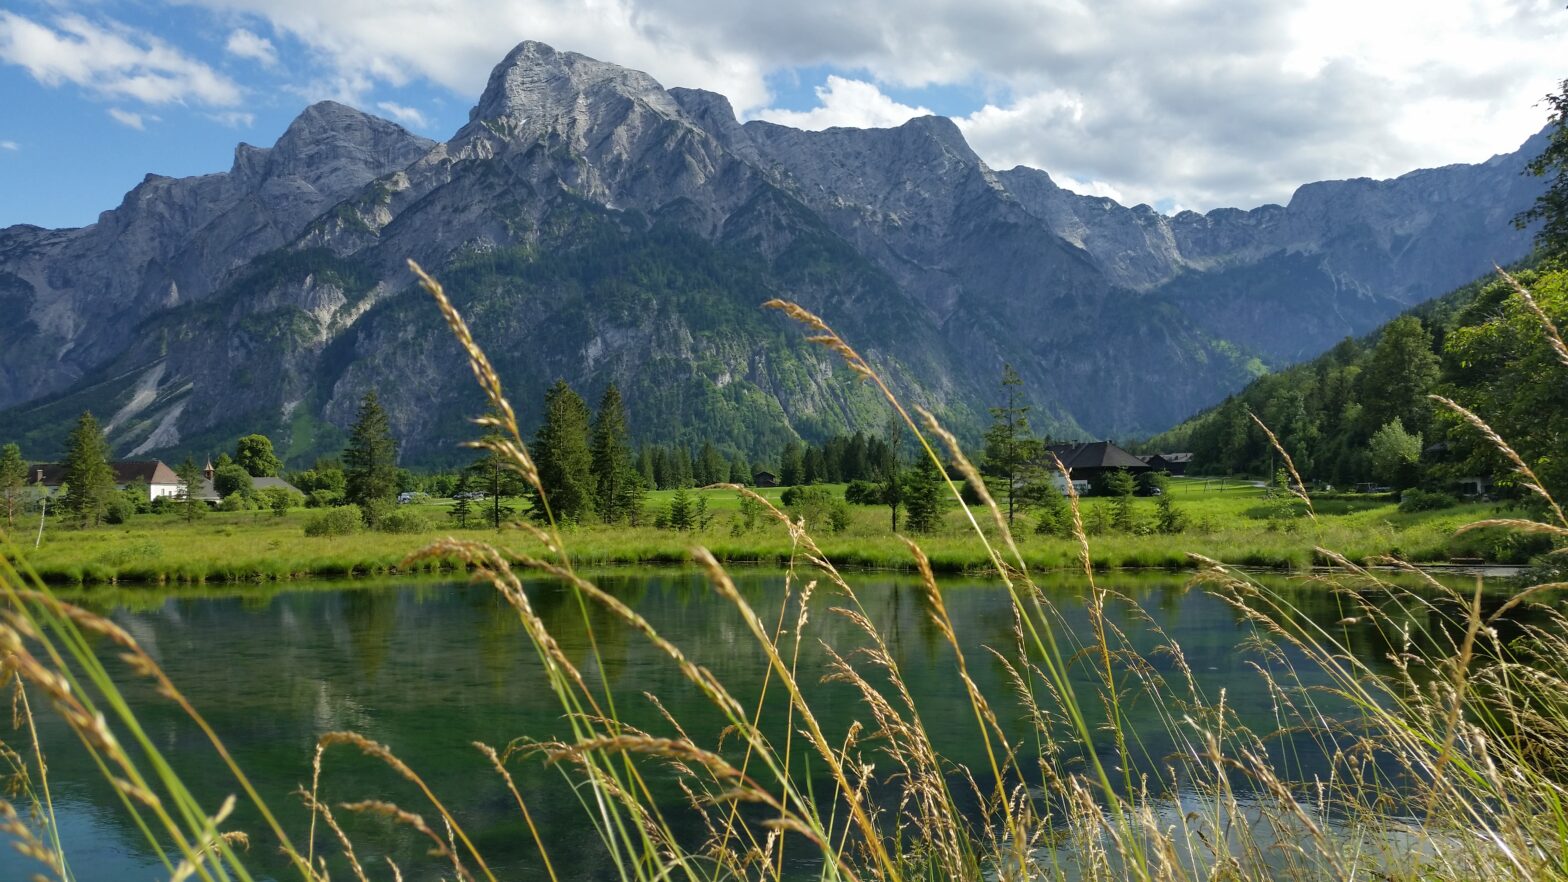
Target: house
<point>208,493</point>
<point>1173,464</point>
<point>764,478</point>
<point>1086,462</point>
<point>161,480</point>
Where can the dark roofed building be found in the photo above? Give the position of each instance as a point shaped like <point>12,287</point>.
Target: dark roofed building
<point>764,478</point>
<point>1089,460</point>
<point>1171,463</point>
<point>161,480</point>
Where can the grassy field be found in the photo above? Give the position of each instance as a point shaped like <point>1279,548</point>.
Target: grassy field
<point>1229,522</point>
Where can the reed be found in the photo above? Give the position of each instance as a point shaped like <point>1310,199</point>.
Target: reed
<point>1451,768</point>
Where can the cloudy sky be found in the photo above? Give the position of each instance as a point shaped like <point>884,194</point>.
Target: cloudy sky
<point>1177,103</point>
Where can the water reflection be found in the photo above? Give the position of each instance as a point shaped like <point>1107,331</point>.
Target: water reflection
<point>428,668</point>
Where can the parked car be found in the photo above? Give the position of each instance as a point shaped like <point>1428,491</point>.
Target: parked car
<point>405,498</point>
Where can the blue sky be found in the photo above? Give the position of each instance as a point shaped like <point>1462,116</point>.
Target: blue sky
<point>1197,104</point>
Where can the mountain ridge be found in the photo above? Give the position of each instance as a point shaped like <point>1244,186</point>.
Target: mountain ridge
<point>1120,319</point>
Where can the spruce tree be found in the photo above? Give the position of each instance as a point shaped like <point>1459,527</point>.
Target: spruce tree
<point>13,482</point>
<point>370,460</point>
<point>618,487</point>
<point>923,494</point>
<point>791,467</point>
<point>499,481</point>
<point>88,477</point>
<point>562,454</point>
<point>461,509</point>
<point>1008,446</point>
<point>191,476</point>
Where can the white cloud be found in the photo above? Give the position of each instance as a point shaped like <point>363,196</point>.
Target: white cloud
<point>111,60</point>
<point>247,44</point>
<point>10,145</point>
<point>137,121</point>
<point>408,116</point>
<point>1202,102</point>
<point>847,103</point>
<point>234,119</point>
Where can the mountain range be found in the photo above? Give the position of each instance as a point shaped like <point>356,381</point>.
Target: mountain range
<point>596,226</point>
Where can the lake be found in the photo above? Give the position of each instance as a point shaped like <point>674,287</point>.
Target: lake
<point>428,667</point>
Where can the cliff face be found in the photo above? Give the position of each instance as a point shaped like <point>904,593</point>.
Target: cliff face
<point>598,227</point>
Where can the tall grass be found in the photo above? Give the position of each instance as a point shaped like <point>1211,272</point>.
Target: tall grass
<point>1450,768</point>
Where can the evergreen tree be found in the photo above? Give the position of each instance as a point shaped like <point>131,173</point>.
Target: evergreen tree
<point>254,454</point>
<point>645,467</point>
<point>791,471</point>
<point>1119,485</point>
<point>681,514</point>
<point>740,470</point>
<point>370,460</point>
<point>711,466</point>
<point>618,488</point>
<point>1008,446</point>
<point>190,475</point>
<point>13,482</point>
<point>461,510</point>
<point>495,476</point>
<point>88,477</point>
<point>923,495</point>
<point>1551,207</point>
<point>562,454</point>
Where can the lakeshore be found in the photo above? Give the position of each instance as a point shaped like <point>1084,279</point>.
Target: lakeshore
<point>1231,521</point>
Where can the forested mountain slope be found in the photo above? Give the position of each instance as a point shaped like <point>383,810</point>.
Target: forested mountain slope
<point>600,228</point>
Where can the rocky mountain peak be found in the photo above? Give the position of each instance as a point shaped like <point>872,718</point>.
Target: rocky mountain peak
<point>537,87</point>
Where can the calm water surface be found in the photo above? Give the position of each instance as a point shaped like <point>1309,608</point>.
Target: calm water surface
<point>428,668</point>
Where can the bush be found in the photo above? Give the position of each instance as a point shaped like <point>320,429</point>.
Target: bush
<point>863,493</point>
<point>820,508</point>
<point>163,504</point>
<point>279,500</point>
<point>324,499</point>
<point>1425,500</point>
<point>235,502</point>
<point>404,521</point>
<point>341,521</point>
<point>119,510</point>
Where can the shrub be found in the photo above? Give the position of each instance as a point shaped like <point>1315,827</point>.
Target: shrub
<point>119,510</point>
<point>235,502</point>
<point>279,500</point>
<point>404,521</point>
<point>863,493</point>
<point>340,521</point>
<point>324,499</point>
<point>820,508</point>
<point>1425,500</point>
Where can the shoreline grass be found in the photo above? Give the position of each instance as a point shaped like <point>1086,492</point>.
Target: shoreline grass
<point>253,546</point>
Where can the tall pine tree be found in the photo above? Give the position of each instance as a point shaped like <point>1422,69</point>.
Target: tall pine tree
<point>370,460</point>
<point>618,486</point>
<point>88,477</point>
<point>191,476</point>
<point>13,482</point>
<point>561,452</point>
<point>1008,446</point>
<point>495,476</point>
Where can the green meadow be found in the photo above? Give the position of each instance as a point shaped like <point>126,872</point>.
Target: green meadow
<point>1233,521</point>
